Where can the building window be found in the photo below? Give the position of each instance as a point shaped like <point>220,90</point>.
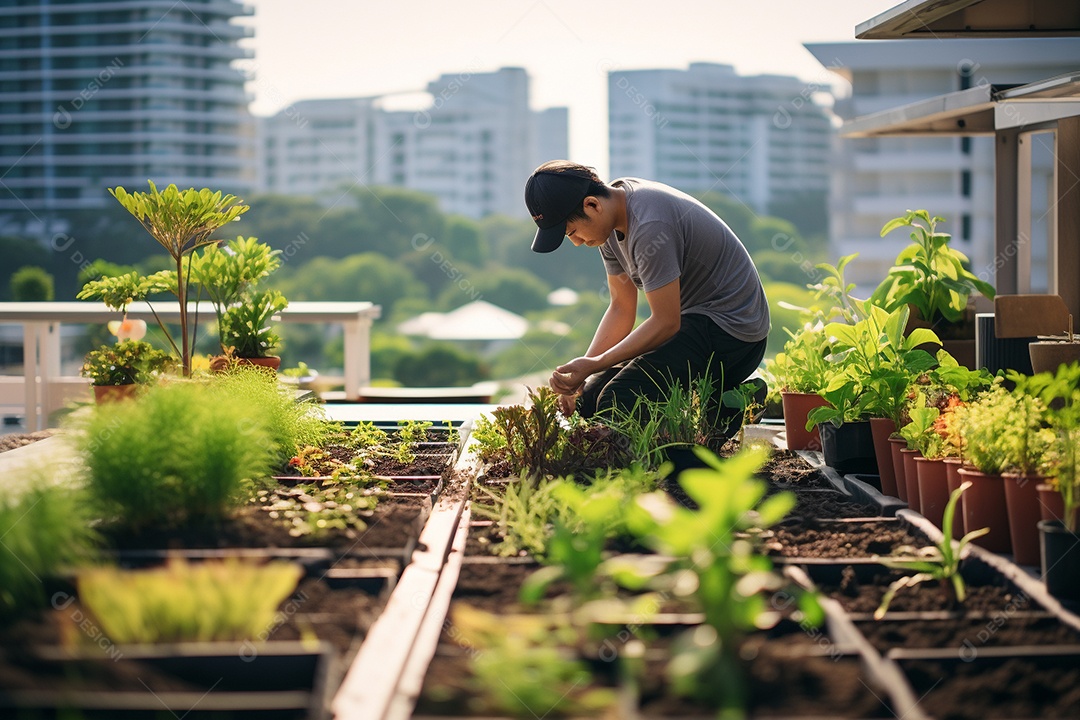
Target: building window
<point>965,183</point>
<point>965,145</point>
<point>965,227</point>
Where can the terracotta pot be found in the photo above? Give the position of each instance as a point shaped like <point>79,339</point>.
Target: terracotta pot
<point>796,407</point>
<point>984,507</point>
<point>1022,503</point>
<point>1051,505</point>
<point>881,429</point>
<point>1047,355</point>
<point>114,393</point>
<point>953,480</point>
<point>911,478</point>
<point>272,362</point>
<point>895,446</point>
<point>933,488</point>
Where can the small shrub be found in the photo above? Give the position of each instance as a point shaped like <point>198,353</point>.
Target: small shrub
<point>32,284</point>
<point>210,601</point>
<point>180,455</point>
<point>292,424</point>
<point>45,530</point>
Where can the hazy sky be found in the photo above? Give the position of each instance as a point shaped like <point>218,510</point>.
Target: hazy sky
<point>344,48</point>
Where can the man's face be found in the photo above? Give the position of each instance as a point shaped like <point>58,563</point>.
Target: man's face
<point>591,231</point>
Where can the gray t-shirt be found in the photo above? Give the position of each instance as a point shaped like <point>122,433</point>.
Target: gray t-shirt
<point>671,235</point>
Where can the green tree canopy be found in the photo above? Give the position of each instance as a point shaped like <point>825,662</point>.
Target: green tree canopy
<point>365,276</point>
<point>32,284</point>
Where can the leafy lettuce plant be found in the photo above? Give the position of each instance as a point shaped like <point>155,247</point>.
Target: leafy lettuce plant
<point>870,360</point>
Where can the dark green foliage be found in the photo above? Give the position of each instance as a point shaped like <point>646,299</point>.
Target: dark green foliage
<point>18,253</point>
<point>440,366</point>
<point>32,284</point>
<point>44,531</point>
<point>181,454</point>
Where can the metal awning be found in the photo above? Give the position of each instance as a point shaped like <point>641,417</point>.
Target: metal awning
<point>981,110</point>
<point>937,19</point>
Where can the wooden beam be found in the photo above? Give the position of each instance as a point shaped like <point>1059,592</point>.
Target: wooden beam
<point>1006,217</point>
<point>1067,213</point>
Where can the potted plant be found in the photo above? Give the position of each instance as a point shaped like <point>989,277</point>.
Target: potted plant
<point>871,359</point>
<point>1050,353</point>
<point>933,279</point>
<point>246,330</point>
<point>986,456</point>
<point>800,371</point>
<point>181,221</point>
<point>229,274</point>
<point>116,370</point>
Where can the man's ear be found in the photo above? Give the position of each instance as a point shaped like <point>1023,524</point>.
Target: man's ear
<point>591,201</point>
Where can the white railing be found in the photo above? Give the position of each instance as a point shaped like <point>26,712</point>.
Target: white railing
<point>41,323</point>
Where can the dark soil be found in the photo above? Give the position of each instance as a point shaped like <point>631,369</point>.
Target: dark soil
<point>783,682</point>
<point>787,468</point>
<point>813,503</point>
<point>1047,687</point>
<point>423,465</point>
<point>393,524</point>
<point>495,586</point>
<point>864,596</point>
<point>967,635</point>
<point>813,539</point>
<point>18,440</point>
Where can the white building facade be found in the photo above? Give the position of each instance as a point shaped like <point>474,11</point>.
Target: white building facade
<point>759,139</point>
<point>99,94</point>
<point>472,147</point>
<point>876,179</point>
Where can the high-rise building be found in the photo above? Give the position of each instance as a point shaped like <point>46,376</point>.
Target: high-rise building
<point>472,145</point>
<point>101,93</point>
<point>760,139</point>
<point>876,179</point>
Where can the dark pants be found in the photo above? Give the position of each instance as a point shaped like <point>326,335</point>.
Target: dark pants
<point>698,348</point>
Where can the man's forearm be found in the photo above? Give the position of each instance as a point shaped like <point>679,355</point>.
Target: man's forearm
<point>649,335</point>
<point>613,328</point>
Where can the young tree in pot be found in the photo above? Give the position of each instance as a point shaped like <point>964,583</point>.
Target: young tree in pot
<point>127,363</point>
<point>986,453</point>
<point>181,221</point>
<point>929,275</point>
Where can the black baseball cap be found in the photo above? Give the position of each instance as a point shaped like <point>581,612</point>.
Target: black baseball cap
<point>553,192</point>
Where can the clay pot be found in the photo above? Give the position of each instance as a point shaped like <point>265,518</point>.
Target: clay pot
<point>796,407</point>
<point>911,478</point>
<point>1022,503</point>
<point>933,488</point>
<point>1051,505</point>
<point>984,506</point>
<point>881,429</point>
<point>220,363</point>
<point>114,393</point>
<point>953,480</point>
<point>895,446</point>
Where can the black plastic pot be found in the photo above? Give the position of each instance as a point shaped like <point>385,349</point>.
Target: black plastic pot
<point>1060,560</point>
<point>849,448</point>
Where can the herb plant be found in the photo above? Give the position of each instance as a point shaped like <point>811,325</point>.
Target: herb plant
<point>181,602</point>
<point>732,580</point>
<point>928,274</point>
<point>245,326</point>
<point>125,363</point>
<point>936,563</point>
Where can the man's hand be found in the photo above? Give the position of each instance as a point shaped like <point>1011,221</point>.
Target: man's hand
<point>568,379</point>
<point>568,404</point>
